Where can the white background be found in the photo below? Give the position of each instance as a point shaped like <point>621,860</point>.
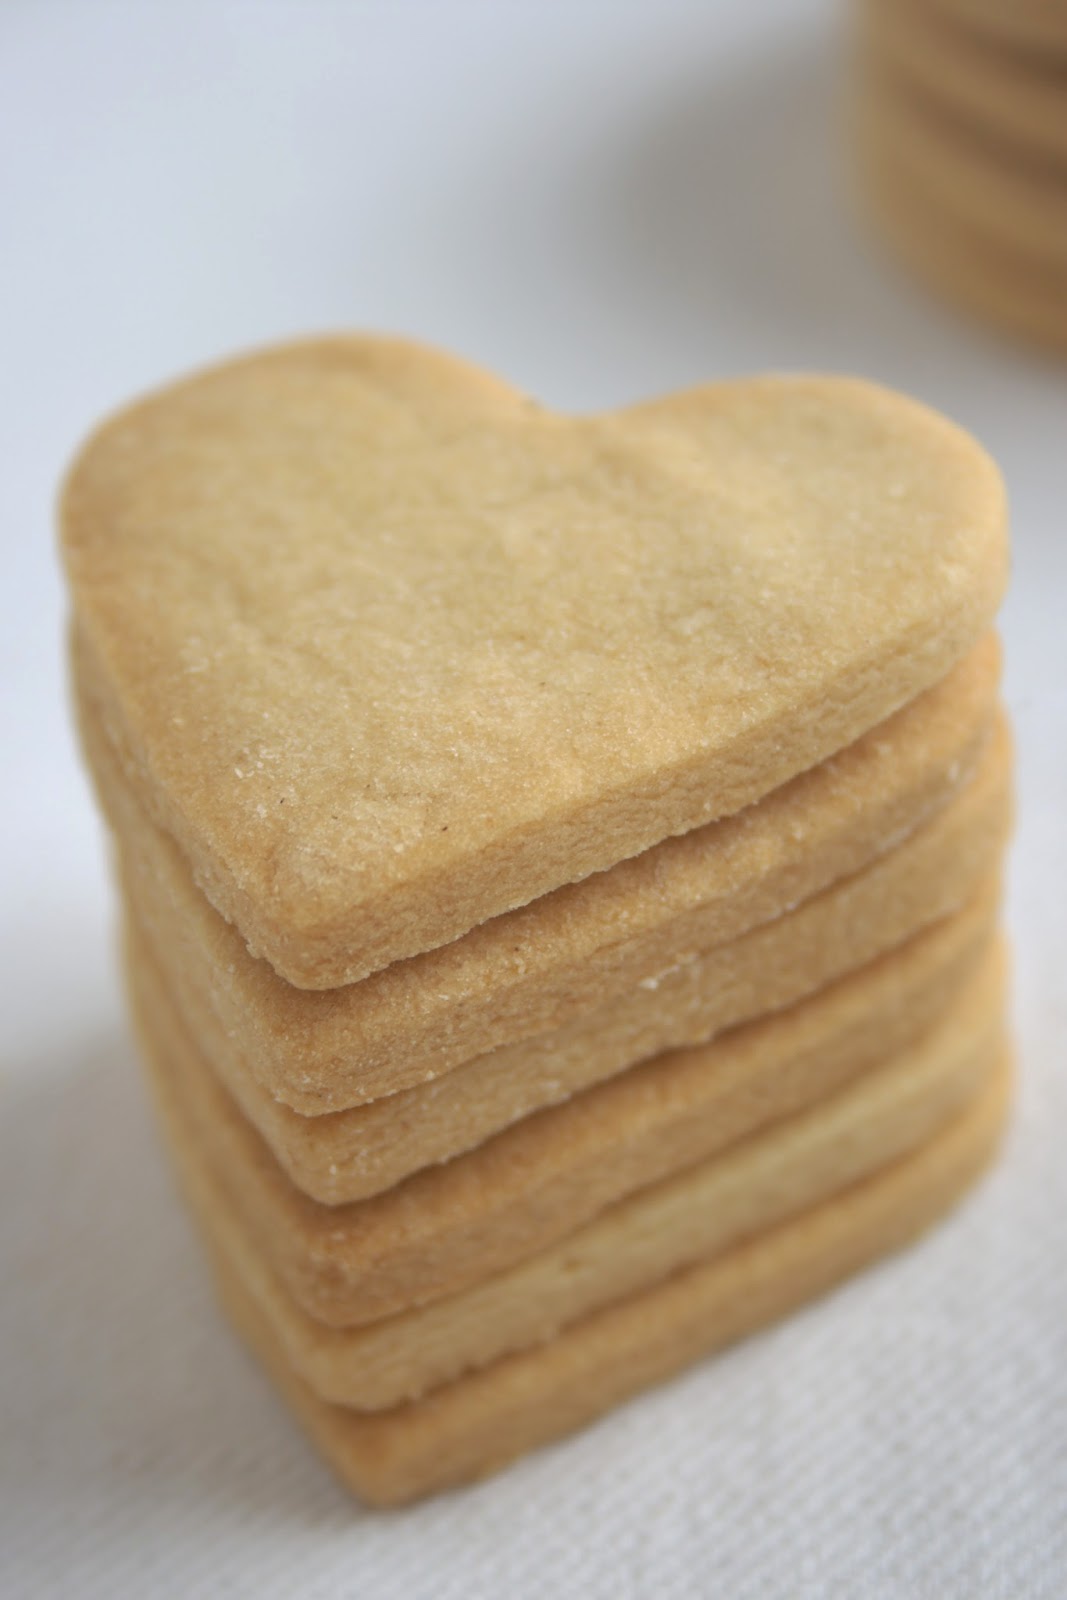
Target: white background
<point>602,201</point>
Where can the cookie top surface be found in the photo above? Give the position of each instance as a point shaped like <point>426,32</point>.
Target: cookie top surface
<point>390,649</point>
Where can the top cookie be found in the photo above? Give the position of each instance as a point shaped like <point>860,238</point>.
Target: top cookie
<point>389,649</point>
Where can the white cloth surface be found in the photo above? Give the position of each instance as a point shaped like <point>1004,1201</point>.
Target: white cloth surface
<point>602,200</point>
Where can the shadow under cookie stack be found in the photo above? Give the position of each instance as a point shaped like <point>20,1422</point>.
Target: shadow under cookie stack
<point>560,862</point>
<point>960,116</point>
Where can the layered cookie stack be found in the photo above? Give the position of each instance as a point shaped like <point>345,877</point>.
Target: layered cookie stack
<point>560,862</point>
<point>962,115</point>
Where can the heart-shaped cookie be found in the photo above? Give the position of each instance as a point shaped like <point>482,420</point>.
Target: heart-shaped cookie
<point>389,649</point>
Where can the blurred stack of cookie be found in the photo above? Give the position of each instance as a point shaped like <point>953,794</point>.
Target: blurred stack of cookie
<point>560,862</point>
<point>961,115</point>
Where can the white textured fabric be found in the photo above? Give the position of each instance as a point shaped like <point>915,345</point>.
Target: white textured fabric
<point>604,200</point>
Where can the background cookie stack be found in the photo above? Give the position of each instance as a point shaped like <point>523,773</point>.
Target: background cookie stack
<point>560,862</point>
<point>961,115</point>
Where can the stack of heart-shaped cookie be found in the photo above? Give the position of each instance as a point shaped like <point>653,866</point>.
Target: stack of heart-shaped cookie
<point>560,862</point>
<point>962,127</point>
